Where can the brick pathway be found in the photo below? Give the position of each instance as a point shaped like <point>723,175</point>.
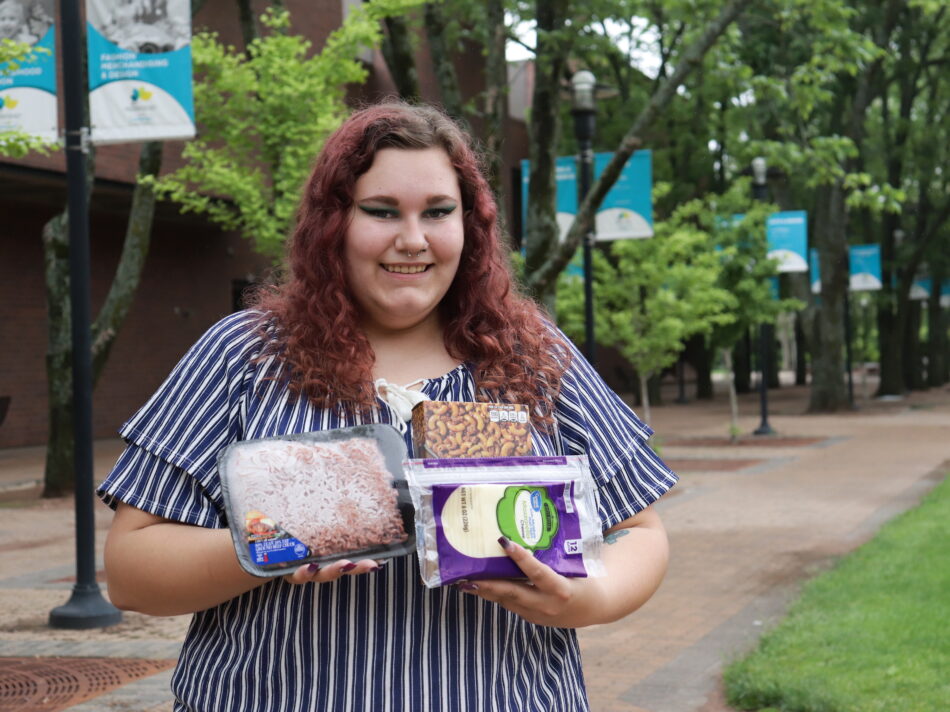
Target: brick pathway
<point>748,523</point>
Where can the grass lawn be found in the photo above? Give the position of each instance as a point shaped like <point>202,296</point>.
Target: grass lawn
<point>871,635</point>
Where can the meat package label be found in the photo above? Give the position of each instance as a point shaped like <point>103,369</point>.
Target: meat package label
<point>269,544</point>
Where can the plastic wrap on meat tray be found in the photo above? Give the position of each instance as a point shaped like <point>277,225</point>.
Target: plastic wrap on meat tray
<point>545,504</point>
<point>317,497</point>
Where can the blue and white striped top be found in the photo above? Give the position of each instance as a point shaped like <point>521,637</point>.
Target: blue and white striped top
<point>380,641</point>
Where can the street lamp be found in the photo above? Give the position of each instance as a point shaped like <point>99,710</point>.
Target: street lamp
<point>86,608</point>
<point>760,192</point>
<point>849,369</point>
<point>584,109</point>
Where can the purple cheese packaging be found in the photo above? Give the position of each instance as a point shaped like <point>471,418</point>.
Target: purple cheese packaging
<point>545,504</point>
<point>317,497</point>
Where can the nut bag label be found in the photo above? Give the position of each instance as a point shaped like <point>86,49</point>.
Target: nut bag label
<point>458,429</point>
<point>540,516</point>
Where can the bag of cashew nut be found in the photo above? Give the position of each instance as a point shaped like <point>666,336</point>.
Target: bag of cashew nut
<point>463,506</point>
<point>442,429</point>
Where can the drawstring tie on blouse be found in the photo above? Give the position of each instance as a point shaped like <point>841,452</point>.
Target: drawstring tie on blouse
<point>400,399</point>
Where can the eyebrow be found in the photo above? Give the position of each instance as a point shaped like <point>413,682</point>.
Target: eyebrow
<point>389,200</point>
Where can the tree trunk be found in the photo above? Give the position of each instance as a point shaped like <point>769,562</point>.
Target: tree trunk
<point>742,364</point>
<point>246,20</point>
<point>700,355</point>
<point>544,127</point>
<point>892,361</point>
<point>733,399</point>
<point>772,354</point>
<point>936,335</point>
<point>645,397</point>
<point>828,390</point>
<point>138,235</point>
<point>442,63</point>
<point>800,288</point>
<point>656,394</point>
<point>496,105</point>
<point>397,51</point>
<point>801,362</point>
<point>914,376</point>
<point>59,472</point>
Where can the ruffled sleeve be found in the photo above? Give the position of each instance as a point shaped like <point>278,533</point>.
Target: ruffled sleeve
<point>594,421</point>
<point>170,467</point>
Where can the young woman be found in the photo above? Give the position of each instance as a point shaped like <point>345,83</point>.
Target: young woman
<point>396,273</point>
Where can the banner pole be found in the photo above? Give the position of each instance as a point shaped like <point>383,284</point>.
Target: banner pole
<point>86,607</point>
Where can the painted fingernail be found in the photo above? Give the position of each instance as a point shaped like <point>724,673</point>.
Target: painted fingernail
<point>348,567</point>
<point>504,542</point>
<point>468,586</point>
<point>313,568</point>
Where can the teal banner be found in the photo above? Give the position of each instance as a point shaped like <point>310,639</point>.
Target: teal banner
<point>923,287</point>
<point>787,234</point>
<point>140,86</point>
<point>920,289</point>
<point>626,211</point>
<point>28,91</point>
<point>864,269</point>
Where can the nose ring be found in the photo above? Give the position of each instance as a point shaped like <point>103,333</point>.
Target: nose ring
<point>410,255</point>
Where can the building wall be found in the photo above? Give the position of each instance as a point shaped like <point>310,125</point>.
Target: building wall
<point>186,286</point>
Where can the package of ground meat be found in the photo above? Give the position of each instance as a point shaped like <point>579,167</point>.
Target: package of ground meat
<point>463,506</point>
<point>317,497</point>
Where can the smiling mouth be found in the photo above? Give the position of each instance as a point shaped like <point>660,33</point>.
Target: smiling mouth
<point>406,269</point>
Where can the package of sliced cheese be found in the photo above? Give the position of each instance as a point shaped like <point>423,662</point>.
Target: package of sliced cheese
<point>548,505</point>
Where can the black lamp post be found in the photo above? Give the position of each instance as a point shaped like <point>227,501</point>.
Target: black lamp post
<point>86,608</point>
<point>848,337</point>
<point>585,113</point>
<point>760,192</point>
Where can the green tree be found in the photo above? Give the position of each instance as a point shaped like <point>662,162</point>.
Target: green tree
<point>907,135</point>
<point>653,294</point>
<point>698,32</point>
<point>745,273</point>
<point>264,114</point>
<point>814,67</point>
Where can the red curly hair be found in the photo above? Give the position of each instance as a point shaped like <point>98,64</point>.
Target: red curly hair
<point>514,353</point>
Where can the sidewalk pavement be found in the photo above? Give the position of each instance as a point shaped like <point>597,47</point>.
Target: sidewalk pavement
<point>748,523</point>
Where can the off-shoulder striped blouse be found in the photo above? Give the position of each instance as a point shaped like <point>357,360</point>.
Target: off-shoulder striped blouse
<point>378,642</point>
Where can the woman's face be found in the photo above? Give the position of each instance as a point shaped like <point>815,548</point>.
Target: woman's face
<point>405,238</point>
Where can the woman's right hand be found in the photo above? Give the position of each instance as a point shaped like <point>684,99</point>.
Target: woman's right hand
<point>313,573</point>
<point>166,568</point>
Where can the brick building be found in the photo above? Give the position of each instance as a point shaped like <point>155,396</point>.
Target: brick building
<point>194,271</point>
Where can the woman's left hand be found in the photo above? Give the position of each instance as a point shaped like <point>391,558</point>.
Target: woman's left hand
<point>635,556</point>
<point>546,598</point>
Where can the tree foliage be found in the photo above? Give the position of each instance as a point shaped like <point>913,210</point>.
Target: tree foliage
<point>653,294</point>
<point>263,116</point>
